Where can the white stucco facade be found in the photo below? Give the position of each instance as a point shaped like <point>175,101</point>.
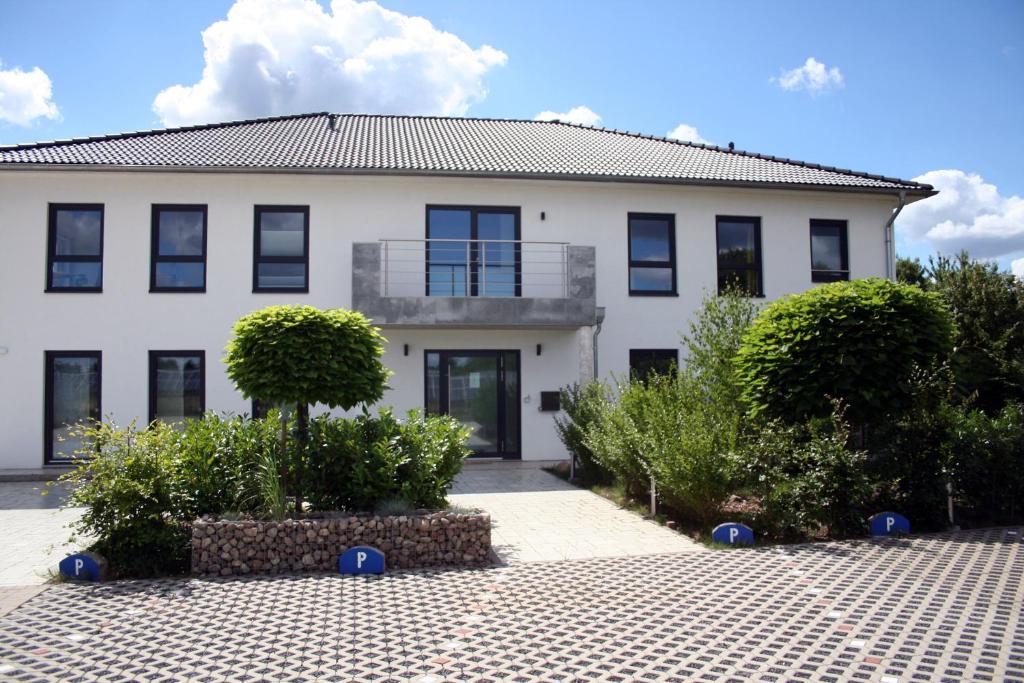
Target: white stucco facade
<point>125,321</point>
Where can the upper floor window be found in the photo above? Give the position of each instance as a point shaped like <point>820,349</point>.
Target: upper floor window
<point>281,249</point>
<point>646,362</point>
<point>177,385</point>
<point>829,256</point>
<point>652,254</point>
<point>739,254</point>
<point>178,262</point>
<point>75,248</point>
<point>473,251</point>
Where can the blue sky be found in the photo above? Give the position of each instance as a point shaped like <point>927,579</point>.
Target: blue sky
<point>903,89</point>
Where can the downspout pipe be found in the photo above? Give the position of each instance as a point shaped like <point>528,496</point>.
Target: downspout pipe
<point>890,240</point>
<point>598,320</point>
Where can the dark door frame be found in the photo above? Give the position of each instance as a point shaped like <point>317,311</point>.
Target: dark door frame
<point>501,404</point>
<point>472,283</point>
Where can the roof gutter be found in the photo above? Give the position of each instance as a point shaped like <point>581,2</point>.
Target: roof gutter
<point>890,238</point>
<point>923,191</point>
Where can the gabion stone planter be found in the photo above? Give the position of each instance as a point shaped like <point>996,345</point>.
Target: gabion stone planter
<point>428,539</point>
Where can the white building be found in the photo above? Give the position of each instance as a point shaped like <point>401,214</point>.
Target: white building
<point>488,250</point>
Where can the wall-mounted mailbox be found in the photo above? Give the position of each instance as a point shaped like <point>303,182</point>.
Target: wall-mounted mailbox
<point>550,401</point>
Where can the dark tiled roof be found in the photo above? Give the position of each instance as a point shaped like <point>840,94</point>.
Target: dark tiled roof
<point>356,143</point>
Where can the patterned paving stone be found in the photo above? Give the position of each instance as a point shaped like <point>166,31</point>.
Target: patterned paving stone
<point>941,607</point>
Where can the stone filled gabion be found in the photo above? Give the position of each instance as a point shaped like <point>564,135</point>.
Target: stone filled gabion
<point>429,539</point>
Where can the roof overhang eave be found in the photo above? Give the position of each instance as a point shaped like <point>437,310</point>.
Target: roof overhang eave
<point>920,192</point>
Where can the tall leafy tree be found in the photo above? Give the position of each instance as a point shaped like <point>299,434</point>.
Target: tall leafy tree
<point>302,355</point>
<point>988,307</point>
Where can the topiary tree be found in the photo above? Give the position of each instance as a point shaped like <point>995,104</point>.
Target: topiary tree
<point>303,355</point>
<point>858,341</point>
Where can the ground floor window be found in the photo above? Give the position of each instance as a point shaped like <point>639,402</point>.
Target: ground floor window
<point>177,385</point>
<point>72,396</point>
<point>481,389</point>
<point>646,362</point>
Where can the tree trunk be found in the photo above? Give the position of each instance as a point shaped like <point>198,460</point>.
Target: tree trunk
<point>302,429</point>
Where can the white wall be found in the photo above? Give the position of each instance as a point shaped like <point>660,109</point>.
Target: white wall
<point>125,321</point>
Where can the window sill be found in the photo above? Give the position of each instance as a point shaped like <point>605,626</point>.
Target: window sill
<point>661,294</point>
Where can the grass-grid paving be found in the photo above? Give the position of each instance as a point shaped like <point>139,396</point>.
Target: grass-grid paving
<point>942,607</point>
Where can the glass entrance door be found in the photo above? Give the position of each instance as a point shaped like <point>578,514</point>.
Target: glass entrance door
<point>480,389</point>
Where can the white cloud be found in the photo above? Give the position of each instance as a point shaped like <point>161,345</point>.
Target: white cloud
<point>288,56</point>
<point>26,96</point>
<point>813,76</point>
<point>686,133</point>
<point>1017,268</point>
<point>581,115</point>
<point>968,213</point>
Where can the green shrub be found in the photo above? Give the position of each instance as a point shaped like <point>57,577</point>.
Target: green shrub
<point>666,427</point>
<point>858,342</point>
<point>357,463</point>
<point>221,465</point>
<point>910,452</point>
<point>807,479</point>
<point>127,487</point>
<point>583,405</point>
<point>619,439</point>
<point>712,343</point>
<point>143,489</point>
<point>987,464</point>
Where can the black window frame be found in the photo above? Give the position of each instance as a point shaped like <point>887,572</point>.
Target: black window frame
<point>757,266</point>
<point>51,246</point>
<point>844,254</point>
<point>153,355</point>
<point>155,256</point>
<point>664,353</point>
<point>48,406</point>
<point>671,263</point>
<point>472,279</point>
<point>257,259</point>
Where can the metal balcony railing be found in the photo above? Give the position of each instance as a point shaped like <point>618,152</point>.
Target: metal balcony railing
<point>474,268</point>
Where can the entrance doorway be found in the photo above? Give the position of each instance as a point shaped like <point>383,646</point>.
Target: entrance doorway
<point>480,389</point>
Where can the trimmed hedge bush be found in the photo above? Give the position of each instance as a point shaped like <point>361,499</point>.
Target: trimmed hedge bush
<point>141,489</point>
<point>858,342</point>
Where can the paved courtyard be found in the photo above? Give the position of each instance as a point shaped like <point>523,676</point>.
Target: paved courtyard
<point>941,607</point>
<point>34,536</point>
<point>525,502</point>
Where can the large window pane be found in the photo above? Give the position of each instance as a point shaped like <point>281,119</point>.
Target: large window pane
<point>736,244</point>
<point>650,279</point>
<point>74,252</point>
<point>170,274</point>
<point>472,252</point>
<point>75,274</point>
<point>78,232</point>
<point>739,254</point>
<point>652,259</point>
<point>179,248</point>
<point>744,280</point>
<point>646,362</point>
<point>282,233</point>
<point>180,233</point>
<point>828,251</point>
<point>282,275</point>
<point>282,249</point>
<point>649,240</point>
<point>176,386</point>
<point>434,406</point>
<point>73,397</point>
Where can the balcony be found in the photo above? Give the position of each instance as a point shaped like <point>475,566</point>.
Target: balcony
<point>474,283</point>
